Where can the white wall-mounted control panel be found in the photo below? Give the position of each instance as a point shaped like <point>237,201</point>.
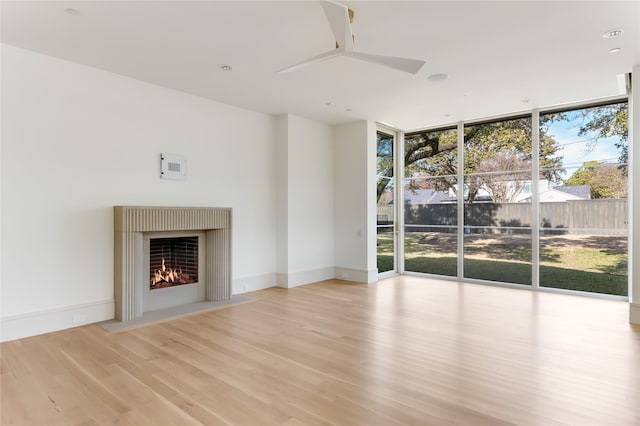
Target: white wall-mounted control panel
<point>173,166</point>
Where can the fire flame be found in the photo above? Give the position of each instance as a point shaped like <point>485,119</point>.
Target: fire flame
<point>165,274</point>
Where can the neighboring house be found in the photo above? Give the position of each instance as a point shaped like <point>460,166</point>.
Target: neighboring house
<point>416,197</point>
<point>547,194</point>
<point>427,196</point>
<point>581,191</point>
<point>525,193</point>
<point>561,194</point>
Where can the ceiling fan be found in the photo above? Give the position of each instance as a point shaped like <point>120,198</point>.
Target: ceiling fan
<point>340,18</point>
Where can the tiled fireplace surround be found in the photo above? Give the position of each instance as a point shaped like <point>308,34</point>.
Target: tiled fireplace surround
<point>130,276</point>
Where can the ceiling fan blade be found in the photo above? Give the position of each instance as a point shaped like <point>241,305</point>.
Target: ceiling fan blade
<point>411,66</point>
<point>319,58</point>
<point>338,17</point>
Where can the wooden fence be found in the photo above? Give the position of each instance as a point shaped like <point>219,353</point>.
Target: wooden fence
<point>606,216</point>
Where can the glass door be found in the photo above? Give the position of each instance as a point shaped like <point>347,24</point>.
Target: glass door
<point>386,203</point>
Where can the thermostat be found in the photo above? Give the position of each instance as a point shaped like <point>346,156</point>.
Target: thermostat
<point>173,166</point>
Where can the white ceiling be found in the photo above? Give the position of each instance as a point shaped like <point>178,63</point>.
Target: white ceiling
<point>495,53</point>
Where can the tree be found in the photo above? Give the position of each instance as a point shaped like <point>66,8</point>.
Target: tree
<point>609,181</point>
<point>605,180</point>
<point>504,186</point>
<point>606,121</point>
<point>384,164</point>
<point>433,155</point>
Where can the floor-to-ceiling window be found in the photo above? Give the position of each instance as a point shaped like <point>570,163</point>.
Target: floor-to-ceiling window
<point>497,214</point>
<point>430,208</point>
<point>386,197</point>
<point>584,218</point>
<point>543,207</point>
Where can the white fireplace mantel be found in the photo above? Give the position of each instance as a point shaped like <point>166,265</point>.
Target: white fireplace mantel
<point>131,222</point>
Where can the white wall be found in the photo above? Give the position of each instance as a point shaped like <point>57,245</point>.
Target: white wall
<point>282,184</point>
<point>76,141</point>
<point>355,209</point>
<point>310,195</point>
<point>305,201</point>
<point>634,156</point>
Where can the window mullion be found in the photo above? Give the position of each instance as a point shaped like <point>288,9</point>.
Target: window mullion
<point>460,200</point>
<point>399,223</point>
<point>535,198</point>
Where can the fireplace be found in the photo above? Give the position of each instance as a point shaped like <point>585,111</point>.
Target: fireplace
<point>195,244</point>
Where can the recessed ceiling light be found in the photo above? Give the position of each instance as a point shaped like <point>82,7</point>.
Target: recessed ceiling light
<point>615,50</point>
<point>525,101</point>
<point>437,77</point>
<point>613,33</point>
<point>348,109</point>
<point>226,67</point>
<point>329,104</point>
<point>447,115</point>
<point>72,11</point>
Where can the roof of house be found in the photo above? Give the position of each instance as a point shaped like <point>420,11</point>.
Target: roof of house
<point>432,196</point>
<point>582,191</point>
<point>426,196</point>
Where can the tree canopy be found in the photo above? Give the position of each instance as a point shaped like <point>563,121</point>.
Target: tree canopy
<point>384,163</point>
<point>604,180</point>
<point>600,122</point>
<point>606,121</point>
<point>496,153</point>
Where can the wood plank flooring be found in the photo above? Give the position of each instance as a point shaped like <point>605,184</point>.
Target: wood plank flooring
<point>403,351</point>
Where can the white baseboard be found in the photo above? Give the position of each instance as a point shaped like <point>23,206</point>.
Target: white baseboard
<point>357,275</point>
<point>296,279</point>
<point>34,323</point>
<point>257,282</point>
<point>634,313</point>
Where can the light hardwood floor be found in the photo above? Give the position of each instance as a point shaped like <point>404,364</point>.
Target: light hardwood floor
<point>403,351</point>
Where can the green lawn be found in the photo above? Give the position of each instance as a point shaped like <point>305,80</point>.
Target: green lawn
<point>585,263</point>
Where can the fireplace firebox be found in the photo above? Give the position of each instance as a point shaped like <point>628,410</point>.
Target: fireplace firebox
<point>173,262</point>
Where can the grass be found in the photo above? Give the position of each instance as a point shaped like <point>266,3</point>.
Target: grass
<point>589,263</point>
